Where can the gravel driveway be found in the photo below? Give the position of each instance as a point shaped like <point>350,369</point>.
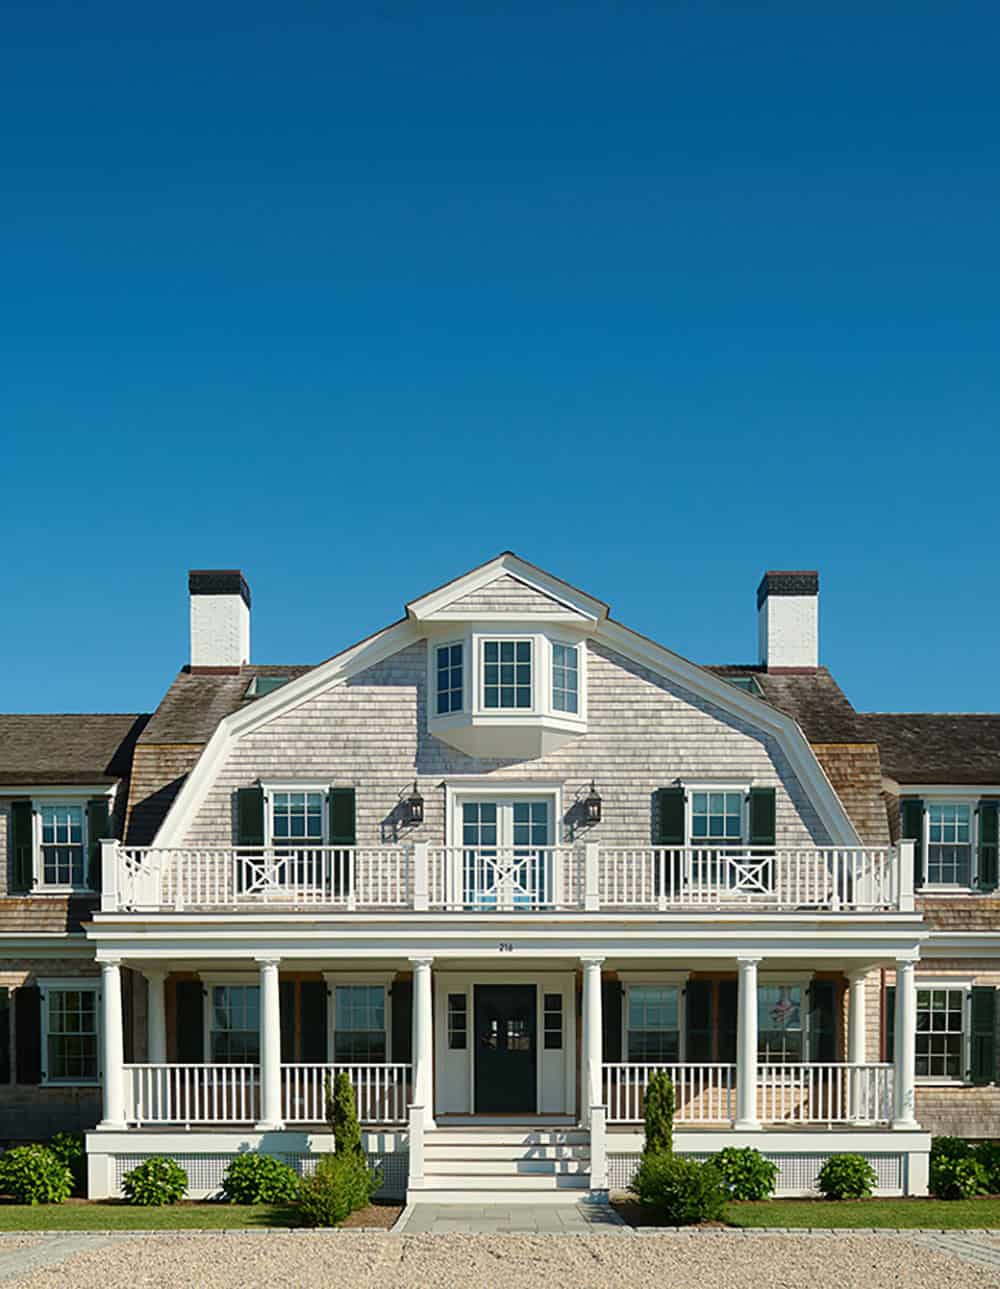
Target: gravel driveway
<point>351,1260</point>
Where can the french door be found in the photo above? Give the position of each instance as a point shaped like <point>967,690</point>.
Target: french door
<point>507,860</point>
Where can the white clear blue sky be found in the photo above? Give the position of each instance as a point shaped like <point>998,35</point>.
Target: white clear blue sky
<point>355,296</point>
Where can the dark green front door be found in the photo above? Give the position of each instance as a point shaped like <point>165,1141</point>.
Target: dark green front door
<point>506,1017</point>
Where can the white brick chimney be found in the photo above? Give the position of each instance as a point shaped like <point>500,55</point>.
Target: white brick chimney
<point>220,617</point>
<point>788,619</point>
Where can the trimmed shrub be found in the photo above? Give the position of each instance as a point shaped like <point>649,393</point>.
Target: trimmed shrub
<point>68,1147</point>
<point>329,1195</point>
<point>949,1148</point>
<point>987,1154</point>
<point>342,1115</point>
<point>679,1190</point>
<point>746,1173</point>
<point>253,1178</point>
<point>957,1178</point>
<point>34,1175</point>
<point>846,1177</point>
<point>157,1180</point>
<point>658,1114</point>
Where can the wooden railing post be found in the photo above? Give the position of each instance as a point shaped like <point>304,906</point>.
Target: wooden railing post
<point>591,877</point>
<point>905,860</point>
<point>110,858</point>
<point>421,878</point>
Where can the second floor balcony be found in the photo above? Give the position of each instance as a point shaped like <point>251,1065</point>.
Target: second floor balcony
<point>586,879</point>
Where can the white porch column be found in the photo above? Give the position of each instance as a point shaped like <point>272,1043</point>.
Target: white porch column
<point>856,1026</point>
<point>906,1045</point>
<point>592,1037</point>
<point>423,1038</point>
<point>112,1045</point>
<point>746,1047</point>
<point>270,1046</point>
<point>156,1016</point>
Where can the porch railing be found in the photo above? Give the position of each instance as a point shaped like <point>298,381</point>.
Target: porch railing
<point>382,1092</point>
<point>702,1093</point>
<point>187,1094</point>
<point>517,879</point>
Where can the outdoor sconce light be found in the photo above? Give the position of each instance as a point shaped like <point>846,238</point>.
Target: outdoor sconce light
<point>592,805</point>
<point>415,806</point>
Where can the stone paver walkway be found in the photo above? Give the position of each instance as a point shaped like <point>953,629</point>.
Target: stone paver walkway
<point>971,1246</point>
<point>48,1250</point>
<point>514,1219</point>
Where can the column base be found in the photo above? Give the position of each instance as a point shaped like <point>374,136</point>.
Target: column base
<point>747,1125</point>
<point>266,1126</point>
<point>905,1125</point>
<point>112,1125</point>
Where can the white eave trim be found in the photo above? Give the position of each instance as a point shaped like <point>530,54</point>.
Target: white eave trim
<point>553,588</point>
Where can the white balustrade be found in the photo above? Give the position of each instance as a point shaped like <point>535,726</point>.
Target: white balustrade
<point>832,1092</point>
<point>487,879</point>
<point>382,1091</point>
<point>190,1094</point>
<point>702,1093</point>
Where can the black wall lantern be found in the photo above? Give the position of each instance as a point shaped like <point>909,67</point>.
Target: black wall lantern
<point>415,806</point>
<point>592,805</point>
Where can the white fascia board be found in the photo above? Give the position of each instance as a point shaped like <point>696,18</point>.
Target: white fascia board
<point>537,579</point>
<point>55,944</point>
<point>283,700</point>
<point>948,789</point>
<point>59,790</point>
<point>948,944</point>
<point>755,711</point>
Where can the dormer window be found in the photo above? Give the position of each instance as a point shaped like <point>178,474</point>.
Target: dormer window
<point>449,678</point>
<point>507,674</point>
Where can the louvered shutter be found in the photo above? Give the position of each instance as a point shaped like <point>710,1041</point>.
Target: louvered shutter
<point>4,1035</point>
<point>763,816</point>
<point>189,1013</point>
<point>698,1022</point>
<point>98,820</point>
<point>312,1021</point>
<point>889,1023</point>
<point>822,1021</point>
<point>911,828</point>
<point>286,1004</point>
<point>402,1021</point>
<point>670,817</point>
<point>611,1020</point>
<point>989,836</point>
<point>728,992</point>
<point>28,1033</point>
<point>983,1054</point>
<point>250,816</point>
<point>343,827</point>
<point>21,845</point>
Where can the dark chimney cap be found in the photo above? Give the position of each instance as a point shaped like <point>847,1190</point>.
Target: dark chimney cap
<point>218,581</point>
<point>787,581</point>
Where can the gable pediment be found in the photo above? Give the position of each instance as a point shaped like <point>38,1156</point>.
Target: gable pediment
<point>507,588</point>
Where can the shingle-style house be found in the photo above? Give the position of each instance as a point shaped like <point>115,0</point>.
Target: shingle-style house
<point>500,861</point>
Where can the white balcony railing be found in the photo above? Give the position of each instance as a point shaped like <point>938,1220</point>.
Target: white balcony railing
<point>535,879</point>
<point>216,1093</point>
<point>786,1094</point>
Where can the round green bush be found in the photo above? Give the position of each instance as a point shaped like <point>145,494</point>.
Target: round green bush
<point>681,1191</point>
<point>253,1178</point>
<point>33,1175</point>
<point>987,1154</point>
<point>327,1196</point>
<point>846,1177</point>
<point>69,1149</point>
<point>746,1173</point>
<point>950,1148</point>
<point>952,1178</point>
<point>157,1180</point>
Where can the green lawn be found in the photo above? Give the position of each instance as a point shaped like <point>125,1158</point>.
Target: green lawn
<point>126,1217</point>
<point>867,1212</point>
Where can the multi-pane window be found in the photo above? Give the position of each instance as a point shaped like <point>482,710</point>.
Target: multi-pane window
<point>565,678</point>
<point>507,673</point>
<point>779,1023</point>
<point>940,1033</point>
<point>716,816</point>
<point>449,679</point>
<point>359,1024</point>
<point>552,1016</point>
<point>62,845</point>
<point>297,816</point>
<point>458,1022</point>
<point>653,1023</point>
<point>71,1039</point>
<point>234,1029</point>
<point>949,844</point>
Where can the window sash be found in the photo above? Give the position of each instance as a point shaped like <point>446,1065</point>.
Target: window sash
<point>72,1034</point>
<point>950,853</point>
<point>653,1023</point>
<point>565,678</point>
<point>450,679</point>
<point>360,1034</point>
<point>507,674</point>
<point>297,817</point>
<point>62,844</point>
<point>941,1033</point>
<point>781,1030</point>
<point>234,1033</point>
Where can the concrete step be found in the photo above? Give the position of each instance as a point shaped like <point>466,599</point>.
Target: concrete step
<point>504,1167</point>
<point>478,1150</point>
<point>507,1181</point>
<point>469,1195</point>
<point>524,1137</point>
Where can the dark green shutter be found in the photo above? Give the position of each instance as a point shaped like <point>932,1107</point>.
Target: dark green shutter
<point>402,1021</point>
<point>727,1020</point>
<point>670,817</point>
<point>911,828</point>
<point>312,1022</point>
<point>97,827</point>
<point>189,1012</point>
<point>250,816</point>
<point>984,1034</point>
<point>762,816</point>
<point>823,1021</point>
<point>698,1022</point>
<point>286,1004</point>
<point>889,1023</point>
<point>4,1035</point>
<point>989,837</point>
<point>21,846</point>
<point>611,1020</point>
<point>28,1031</point>
<point>342,817</point>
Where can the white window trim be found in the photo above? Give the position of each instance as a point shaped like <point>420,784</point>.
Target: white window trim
<point>209,979</point>
<point>581,676</point>
<point>334,978</point>
<point>287,842</point>
<point>58,984</point>
<point>713,843</point>
<point>479,640</point>
<point>951,799</point>
<point>432,689</point>
<point>480,789</point>
<point>655,979</point>
<point>37,866</point>
<point>965,984</point>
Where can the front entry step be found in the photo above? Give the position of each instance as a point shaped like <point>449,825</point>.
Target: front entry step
<point>504,1165</point>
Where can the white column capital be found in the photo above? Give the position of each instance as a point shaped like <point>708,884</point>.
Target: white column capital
<point>592,963</point>
<point>856,975</point>
<point>265,960</point>
<point>155,973</point>
<point>109,964</point>
<point>424,961</point>
<point>748,960</point>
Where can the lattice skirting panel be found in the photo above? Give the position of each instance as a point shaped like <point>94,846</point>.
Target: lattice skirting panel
<point>205,1172</point>
<point>797,1173</point>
